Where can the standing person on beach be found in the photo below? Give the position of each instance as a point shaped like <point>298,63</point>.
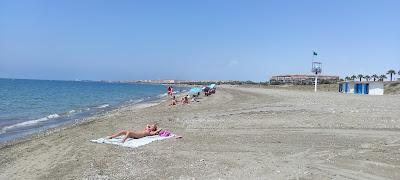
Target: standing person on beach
<point>170,90</point>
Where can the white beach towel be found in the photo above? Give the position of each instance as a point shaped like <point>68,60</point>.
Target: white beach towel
<point>130,142</point>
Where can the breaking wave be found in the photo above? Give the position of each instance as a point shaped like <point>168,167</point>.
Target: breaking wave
<point>29,123</point>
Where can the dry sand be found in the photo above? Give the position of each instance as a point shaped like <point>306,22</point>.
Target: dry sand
<point>238,133</point>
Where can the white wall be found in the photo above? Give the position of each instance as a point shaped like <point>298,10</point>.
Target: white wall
<point>351,87</point>
<point>376,88</point>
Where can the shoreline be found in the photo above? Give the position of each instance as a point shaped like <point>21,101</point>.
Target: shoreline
<point>153,101</point>
<point>86,116</point>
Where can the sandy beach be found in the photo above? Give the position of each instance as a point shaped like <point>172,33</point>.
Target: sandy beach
<point>238,133</point>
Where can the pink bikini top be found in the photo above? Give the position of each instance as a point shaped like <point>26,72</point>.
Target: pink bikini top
<point>164,133</point>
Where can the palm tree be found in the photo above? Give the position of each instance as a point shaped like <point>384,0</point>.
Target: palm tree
<point>353,77</point>
<point>391,72</point>
<point>360,76</point>
<point>347,78</point>
<point>382,77</point>
<point>375,77</point>
<point>398,73</point>
<point>367,77</point>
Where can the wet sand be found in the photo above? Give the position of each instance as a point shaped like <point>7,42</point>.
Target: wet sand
<point>238,133</point>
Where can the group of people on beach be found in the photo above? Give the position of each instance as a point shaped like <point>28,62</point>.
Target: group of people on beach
<point>153,129</point>
<point>184,99</point>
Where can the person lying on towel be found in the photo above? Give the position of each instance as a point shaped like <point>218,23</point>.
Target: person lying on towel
<point>149,130</point>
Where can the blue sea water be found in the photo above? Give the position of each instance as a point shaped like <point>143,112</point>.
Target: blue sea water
<point>30,106</point>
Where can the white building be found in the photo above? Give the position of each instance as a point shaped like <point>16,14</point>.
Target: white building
<point>364,87</point>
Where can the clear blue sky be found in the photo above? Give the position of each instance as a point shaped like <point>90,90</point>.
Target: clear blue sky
<point>215,39</point>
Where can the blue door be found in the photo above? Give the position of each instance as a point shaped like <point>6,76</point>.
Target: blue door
<point>366,89</point>
<point>340,87</point>
<point>355,89</point>
<point>346,88</point>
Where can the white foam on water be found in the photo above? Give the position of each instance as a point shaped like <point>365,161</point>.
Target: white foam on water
<point>52,116</point>
<point>162,95</point>
<point>138,100</point>
<point>28,123</point>
<point>103,106</point>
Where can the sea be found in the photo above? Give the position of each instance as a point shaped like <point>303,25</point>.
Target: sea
<point>31,106</point>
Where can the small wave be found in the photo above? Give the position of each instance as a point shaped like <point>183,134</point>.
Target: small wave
<point>162,95</point>
<point>53,116</point>
<point>29,123</point>
<point>103,106</point>
<point>138,100</point>
<point>72,111</point>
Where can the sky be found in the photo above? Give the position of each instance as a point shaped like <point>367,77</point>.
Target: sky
<point>189,39</point>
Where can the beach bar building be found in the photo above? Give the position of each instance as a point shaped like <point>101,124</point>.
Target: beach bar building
<point>302,79</point>
<point>362,87</point>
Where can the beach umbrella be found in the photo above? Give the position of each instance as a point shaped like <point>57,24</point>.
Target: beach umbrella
<point>206,89</point>
<point>211,86</point>
<point>194,90</point>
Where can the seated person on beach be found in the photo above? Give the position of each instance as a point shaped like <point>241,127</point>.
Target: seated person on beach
<point>149,130</point>
<point>207,93</point>
<point>173,102</point>
<point>194,98</point>
<point>185,100</point>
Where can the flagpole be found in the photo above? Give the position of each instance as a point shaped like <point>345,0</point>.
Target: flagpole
<point>316,82</point>
<point>316,71</point>
<point>312,62</point>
